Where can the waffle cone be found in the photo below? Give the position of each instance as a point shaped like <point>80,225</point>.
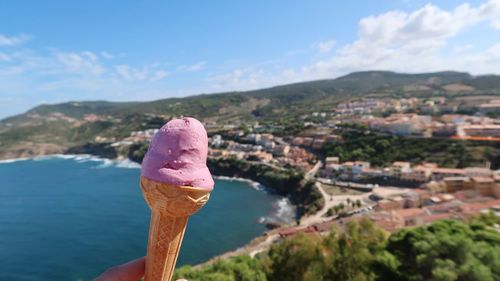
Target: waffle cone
<point>171,207</point>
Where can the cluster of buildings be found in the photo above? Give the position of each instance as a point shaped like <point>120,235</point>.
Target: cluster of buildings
<point>433,105</point>
<point>94,117</point>
<point>262,148</point>
<point>402,171</point>
<point>491,106</point>
<point>402,124</point>
<point>414,207</point>
<point>316,141</point>
<point>370,105</point>
<point>447,125</point>
<point>454,200</point>
<point>135,137</point>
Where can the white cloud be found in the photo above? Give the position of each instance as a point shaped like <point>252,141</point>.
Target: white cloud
<point>427,38</point>
<point>241,79</point>
<point>11,41</point>
<point>325,46</point>
<point>407,41</point>
<point>146,73</point>
<point>417,41</point>
<point>496,24</point>
<point>4,57</point>
<point>461,48</point>
<point>83,62</point>
<point>194,67</point>
<point>158,75</point>
<point>107,55</point>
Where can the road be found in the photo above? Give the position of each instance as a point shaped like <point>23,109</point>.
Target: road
<point>262,243</point>
<point>312,173</point>
<point>330,202</point>
<point>266,164</point>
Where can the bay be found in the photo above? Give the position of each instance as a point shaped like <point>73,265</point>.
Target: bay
<point>71,217</point>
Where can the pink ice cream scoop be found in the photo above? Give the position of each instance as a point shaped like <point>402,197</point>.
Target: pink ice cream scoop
<point>177,155</point>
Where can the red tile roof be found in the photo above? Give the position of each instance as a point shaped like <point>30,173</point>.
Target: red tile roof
<point>295,230</point>
<point>476,207</point>
<point>482,179</point>
<point>326,226</point>
<point>433,218</point>
<point>448,171</point>
<point>411,212</point>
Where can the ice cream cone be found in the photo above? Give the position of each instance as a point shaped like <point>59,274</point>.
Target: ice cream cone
<point>171,207</point>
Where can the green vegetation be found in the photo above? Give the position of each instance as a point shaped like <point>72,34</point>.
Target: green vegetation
<point>335,190</point>
<point>342,208</point>
<point>382,150</point>
<point>241,268</point>
<point>444,251</point>
<point>282,105</point>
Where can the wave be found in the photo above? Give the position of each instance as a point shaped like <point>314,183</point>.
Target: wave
<point>81,158</point>
<point>252,183</point>
<point>124,164</point>
<point>128,164</point>
<point>285,208</point>
<point>6,161</point>
<point>76,157</point>
<point>284,213</point>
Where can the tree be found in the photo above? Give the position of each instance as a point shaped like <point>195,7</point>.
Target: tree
<point>351,254</point>
<point>442,251</point>
<point>330,212</point>
<point>294,258</point>
<point>358,203</point>
<point>447,250</point>
<point>240,268</point>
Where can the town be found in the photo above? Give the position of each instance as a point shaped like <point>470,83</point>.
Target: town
<point>399,194</point>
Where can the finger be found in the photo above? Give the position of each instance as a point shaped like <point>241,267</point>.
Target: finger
<point>131,271</point>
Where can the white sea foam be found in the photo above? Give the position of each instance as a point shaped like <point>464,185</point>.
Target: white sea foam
<point>128,164</point>
<point>105,163</point>
<point>285,209</point>
<point>125,164</point>
<point>86,158</point>
<point>252,183</point>
<point>284,213</point>
<point>5,161</point>
<point>82,158</point>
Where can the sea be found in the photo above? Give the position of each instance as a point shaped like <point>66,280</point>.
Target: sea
<point>69,217</point>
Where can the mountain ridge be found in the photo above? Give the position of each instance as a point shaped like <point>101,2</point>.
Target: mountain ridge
<point>53,128</point>
<point>355,81</point>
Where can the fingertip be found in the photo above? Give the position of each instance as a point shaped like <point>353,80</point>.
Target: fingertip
<point>133,269</point>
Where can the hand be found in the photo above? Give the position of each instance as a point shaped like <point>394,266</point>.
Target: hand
<point>131,271</point>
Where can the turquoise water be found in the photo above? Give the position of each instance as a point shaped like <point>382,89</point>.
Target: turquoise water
<point>69,219</point>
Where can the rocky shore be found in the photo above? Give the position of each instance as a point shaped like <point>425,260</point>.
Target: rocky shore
<point>285,182</point>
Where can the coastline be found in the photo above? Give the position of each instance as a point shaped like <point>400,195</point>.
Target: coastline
<point>127,163</point>
<point>121,163</point>
<point>281,183</point>
<point>255,184</point>
<point>281,217</point>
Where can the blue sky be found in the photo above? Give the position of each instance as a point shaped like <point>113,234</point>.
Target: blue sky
<point>55,51</point>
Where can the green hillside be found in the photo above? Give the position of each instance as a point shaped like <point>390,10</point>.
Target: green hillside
<point>55,127</point>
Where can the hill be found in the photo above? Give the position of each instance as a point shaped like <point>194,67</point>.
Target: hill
<point>52,128</point>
